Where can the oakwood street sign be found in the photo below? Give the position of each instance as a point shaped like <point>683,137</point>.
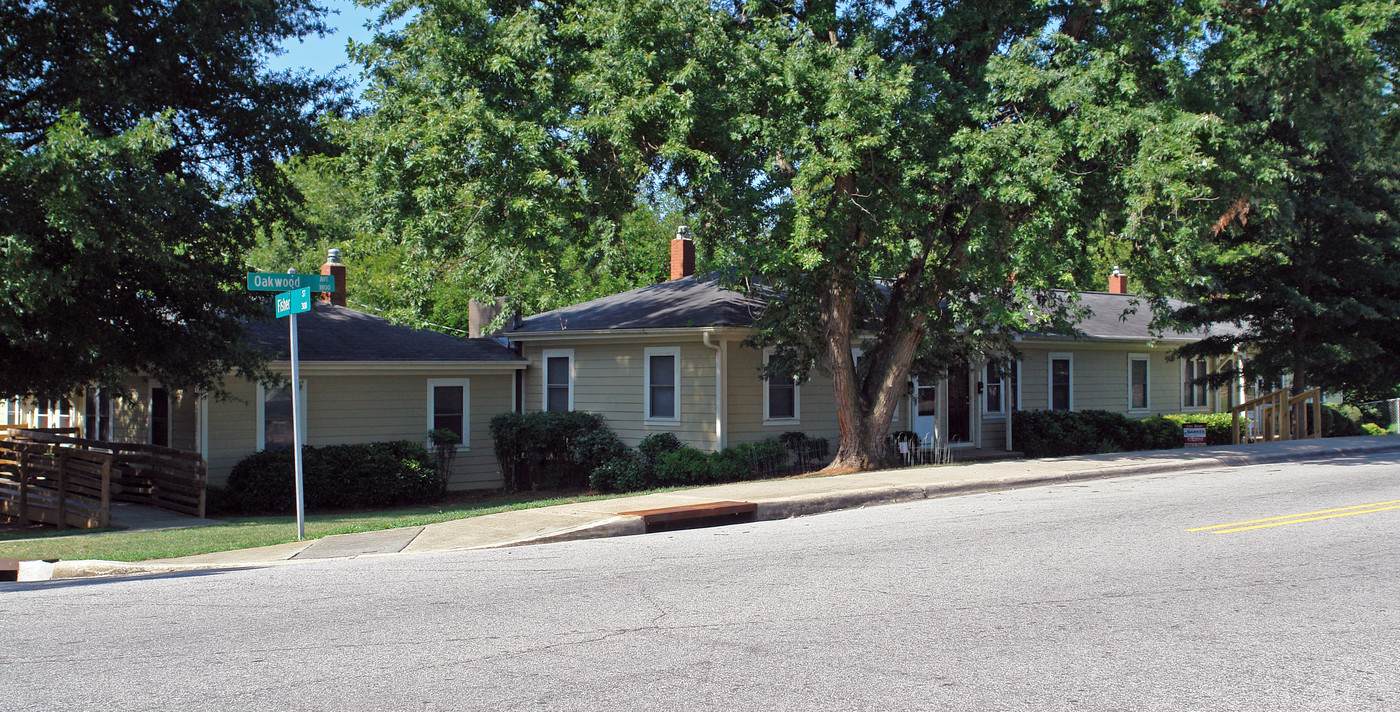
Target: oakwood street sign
<point>285,282</point>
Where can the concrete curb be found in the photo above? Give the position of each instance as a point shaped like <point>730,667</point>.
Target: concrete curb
<point>779,507</point>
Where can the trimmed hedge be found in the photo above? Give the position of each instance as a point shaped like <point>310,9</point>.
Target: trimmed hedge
<point>551,450</point>
<point>1061,433</point>
<point>1217,426</point>
<point>370,475</point>
<point>661,460</point>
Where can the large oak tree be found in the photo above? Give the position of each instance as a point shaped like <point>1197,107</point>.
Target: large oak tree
<point>914,178</point>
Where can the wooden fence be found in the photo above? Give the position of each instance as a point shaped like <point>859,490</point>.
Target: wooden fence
<point>66,481</point>
<point>1281,417</point>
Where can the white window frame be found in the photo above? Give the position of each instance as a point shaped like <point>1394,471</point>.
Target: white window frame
<point>796,418</point>
<point>1185,388</point>
<point>52,416</point>
<point>1003,383</point>
<point>20,409</point>
<point>109,415</point>
<point>647,353</point>
<point>262,416</point>
<point>1147,385</point>
<point>545,356</point>
<point>1050,379</point>
<point>466,384</point>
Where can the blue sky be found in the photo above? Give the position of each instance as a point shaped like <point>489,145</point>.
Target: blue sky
<point>323,55</point>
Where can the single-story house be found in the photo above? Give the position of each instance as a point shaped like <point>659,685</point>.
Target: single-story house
<point>665,358</point>
<point>363,379</point>
<point>670,357</point>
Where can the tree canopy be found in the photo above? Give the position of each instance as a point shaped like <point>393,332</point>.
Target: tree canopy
<point>139,144</point>
<point>1305,259</point>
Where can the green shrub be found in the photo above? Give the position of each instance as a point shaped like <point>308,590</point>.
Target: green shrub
<point>1217,426</point>
<point>686,466</point>
<point>1340,421</point>
<point>733,463</point>
<point>657,444</point>
<point>1381,413</point>
<point>548,450</point>
<point>383,474</point>
<point>626,473</point>
<point>1373,429</point>
<point>1159,433</point>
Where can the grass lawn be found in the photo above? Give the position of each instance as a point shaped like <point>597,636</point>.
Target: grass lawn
<point>248,532</point>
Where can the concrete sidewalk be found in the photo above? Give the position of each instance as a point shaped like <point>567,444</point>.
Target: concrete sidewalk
<point>774,499</point>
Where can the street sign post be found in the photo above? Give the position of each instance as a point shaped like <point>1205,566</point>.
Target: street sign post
<point>296,300</point>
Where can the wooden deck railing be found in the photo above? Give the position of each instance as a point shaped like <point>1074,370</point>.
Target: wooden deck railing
<point>1281,417</point>
<point>68,481</point>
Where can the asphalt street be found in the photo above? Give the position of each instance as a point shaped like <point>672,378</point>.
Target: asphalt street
<point>1259,588</point>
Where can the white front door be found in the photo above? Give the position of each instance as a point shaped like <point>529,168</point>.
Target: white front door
<point>925,422</point>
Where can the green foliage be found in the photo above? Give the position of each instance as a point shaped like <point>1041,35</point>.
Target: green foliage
<point>444,449</point>
<point>686,466</point>
<point>334,477</point>
<point>1340,421</point>
<point>1062,433</point>
<point>1373,429</point>
<point>551,450</point>
<point>1218,430</point>
<point>1304,251</point>
<point>655,445</point>
<point>137,158</point>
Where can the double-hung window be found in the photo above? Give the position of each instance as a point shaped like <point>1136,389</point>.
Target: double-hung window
<point>1061,382</point>
<point>558,379</point>
<point>275,417</point>
<point>1137,382</point>
<point>97,414</point>
<point>782,397</point>
<point>449,407</point>
<point>1193,384</point>
<point>662,377</point>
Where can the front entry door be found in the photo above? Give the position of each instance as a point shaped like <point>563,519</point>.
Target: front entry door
<point>925,411</point>
<point>959,405</point>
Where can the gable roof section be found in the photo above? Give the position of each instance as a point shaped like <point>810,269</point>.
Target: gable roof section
<point>1107,319</point>
<point>676,304</point>
<point>700,302</point>
<point>340,334</point>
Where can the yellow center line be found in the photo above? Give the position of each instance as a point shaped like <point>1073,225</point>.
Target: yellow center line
<point>1296,516</point>
<point>1308,519</point>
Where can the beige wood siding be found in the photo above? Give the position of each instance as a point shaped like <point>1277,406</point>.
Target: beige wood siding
<point>816,409</point>
<point>365,409</point>
<point>609,377</point>
<point>1100,377</point>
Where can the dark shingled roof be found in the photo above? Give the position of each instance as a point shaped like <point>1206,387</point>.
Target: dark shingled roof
<point>679,303</point>
<point>692,302</point>
<point>1107,320</point>
<point>331,333</point>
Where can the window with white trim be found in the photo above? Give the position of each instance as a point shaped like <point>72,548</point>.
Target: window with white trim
<point>13,412</point>
<point>97,414</point>
<point>449,407</point>
<point>1138,378</point>
<point>275,417</point>
<point>992,390</point>
<point>782,397</point>
<point>662,376</point>
<point>53,414</point>
<point>558,379</point>
<point>1061,382</point>
<point>1193,391</point>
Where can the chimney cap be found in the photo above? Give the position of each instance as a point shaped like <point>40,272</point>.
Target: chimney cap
<point>333,256</point>
<point>683,232</point>
<point>1117,272</point>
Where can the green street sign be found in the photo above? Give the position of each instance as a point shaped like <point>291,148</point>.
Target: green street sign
<point>279,282</point>
<point>294,302</point>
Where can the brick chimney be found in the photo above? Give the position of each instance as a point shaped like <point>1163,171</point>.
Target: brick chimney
<point>1117,282</point>
<point>480,314</point>
<point>334,268</point>
<point>682,254</point>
